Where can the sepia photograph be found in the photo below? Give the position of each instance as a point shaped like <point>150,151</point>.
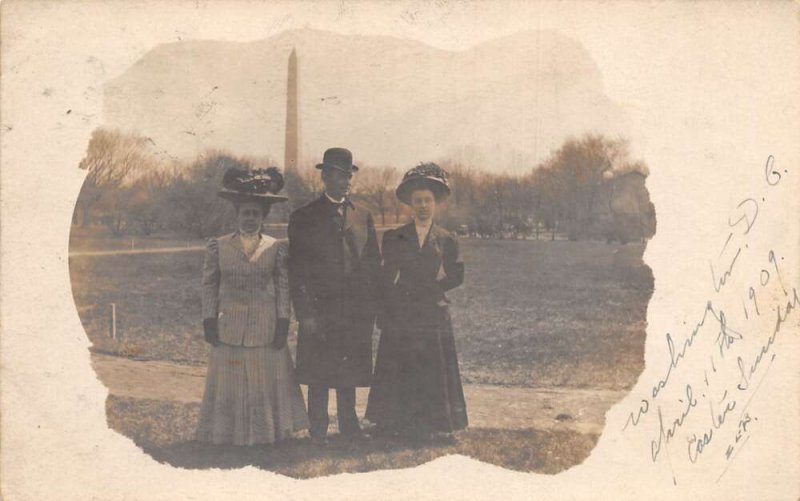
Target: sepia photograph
<point>317,253</point>
<point>362,249</point>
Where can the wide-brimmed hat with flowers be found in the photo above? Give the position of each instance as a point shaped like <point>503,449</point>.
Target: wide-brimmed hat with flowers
<point>242,184</point>
<point>424,176</point>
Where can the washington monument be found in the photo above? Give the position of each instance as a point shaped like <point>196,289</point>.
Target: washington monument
<point>290,145</point>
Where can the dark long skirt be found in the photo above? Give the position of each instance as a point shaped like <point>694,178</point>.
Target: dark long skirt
<point>417,385</point>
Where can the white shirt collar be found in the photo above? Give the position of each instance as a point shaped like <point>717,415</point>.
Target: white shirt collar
<point>333,200</point>
<point>422,230</point>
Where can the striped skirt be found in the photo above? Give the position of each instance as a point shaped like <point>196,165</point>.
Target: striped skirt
<point>251,397</point>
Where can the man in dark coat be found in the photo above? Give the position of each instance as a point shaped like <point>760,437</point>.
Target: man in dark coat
<point>334,263</point>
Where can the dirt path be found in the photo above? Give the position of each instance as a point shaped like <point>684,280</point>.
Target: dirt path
<point>153,250</point>
<point>489,406</point>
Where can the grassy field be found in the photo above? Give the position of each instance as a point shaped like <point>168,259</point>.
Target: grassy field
<point>530,313</point>
<point>169,439</point>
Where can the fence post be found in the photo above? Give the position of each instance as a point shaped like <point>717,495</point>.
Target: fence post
<point>113,321</point>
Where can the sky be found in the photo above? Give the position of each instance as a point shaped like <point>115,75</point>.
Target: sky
<point>638,46</point>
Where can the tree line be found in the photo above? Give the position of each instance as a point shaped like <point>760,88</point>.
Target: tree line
<point>589,188</point>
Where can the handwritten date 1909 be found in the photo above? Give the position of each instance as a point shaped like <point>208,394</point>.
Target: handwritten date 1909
<point>718,315</point>
<point>747,212</point>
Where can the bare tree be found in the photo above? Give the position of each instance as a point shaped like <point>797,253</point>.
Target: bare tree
<point>589,188</point>
<point>579,166</point>
<point>111,159</point>
<point>375,186</point>
<point>463,206</point>
<point>303,184</point>
<point>147,206</point>
<point>195,206</point>
<point>312,179</point>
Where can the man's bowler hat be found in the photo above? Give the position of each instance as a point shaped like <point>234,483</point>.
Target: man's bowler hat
<point>338,158</point>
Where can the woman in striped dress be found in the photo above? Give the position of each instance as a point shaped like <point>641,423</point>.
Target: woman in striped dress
<point>251,396</point>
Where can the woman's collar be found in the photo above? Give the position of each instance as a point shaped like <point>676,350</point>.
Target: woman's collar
<point>256,234</point>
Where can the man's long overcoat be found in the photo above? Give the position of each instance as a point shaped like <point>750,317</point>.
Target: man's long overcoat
<point>334,265</point>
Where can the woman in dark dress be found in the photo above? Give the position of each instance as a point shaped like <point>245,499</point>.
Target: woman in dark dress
<point>416,387</point>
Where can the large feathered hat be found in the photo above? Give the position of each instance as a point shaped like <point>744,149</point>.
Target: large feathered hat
<point>424,176</point>
<point>240,184</point>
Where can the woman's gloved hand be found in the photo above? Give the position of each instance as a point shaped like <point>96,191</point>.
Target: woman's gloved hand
<point>211,331</point>
<point>281,333</point>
